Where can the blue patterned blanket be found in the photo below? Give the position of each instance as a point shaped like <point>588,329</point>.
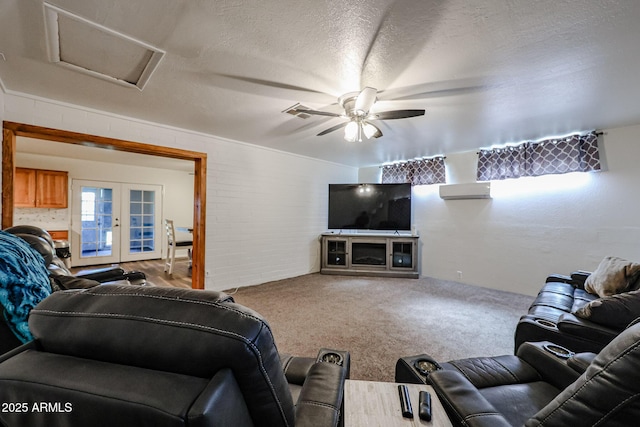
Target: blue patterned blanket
<point>24,282</point>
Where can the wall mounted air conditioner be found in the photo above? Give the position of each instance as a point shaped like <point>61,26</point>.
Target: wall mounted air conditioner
<point>473,190</point>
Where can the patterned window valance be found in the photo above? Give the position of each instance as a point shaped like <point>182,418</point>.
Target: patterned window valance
<point>575,153</point>
<point>416,172</point>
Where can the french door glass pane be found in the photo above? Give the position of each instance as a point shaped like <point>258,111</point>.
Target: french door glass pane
<point>142,221</point>
<point>97,233</point>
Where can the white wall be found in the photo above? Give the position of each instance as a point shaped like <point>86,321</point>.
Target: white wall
<point>535,226</point>
<point>265,208</point>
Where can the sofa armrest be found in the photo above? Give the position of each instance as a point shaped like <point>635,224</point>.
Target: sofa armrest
<point>463,401</point>
<point>31,345</point>
<point>107,274</point>
<point>321,397</point>
<point>573,325</point>
<point>135,277</point>
<point>579,277</point>
<point>553,369</point>
<point>562,278</point>
<point>296,368</point>
<point>581,361</point>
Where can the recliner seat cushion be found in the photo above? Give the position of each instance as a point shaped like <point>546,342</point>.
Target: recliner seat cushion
<point>516,402</point>
<point>85,387</point>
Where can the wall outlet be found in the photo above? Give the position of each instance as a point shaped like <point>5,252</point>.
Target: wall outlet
<point>459,274</point>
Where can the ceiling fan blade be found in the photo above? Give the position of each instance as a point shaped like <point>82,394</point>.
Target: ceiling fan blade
<point>318,113</point>
<point>396,114</point>
<point>333,128</point>
<point>366,99</point>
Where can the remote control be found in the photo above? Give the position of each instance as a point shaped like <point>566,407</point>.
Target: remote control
<point>405,402</point>
<point>424,411</point>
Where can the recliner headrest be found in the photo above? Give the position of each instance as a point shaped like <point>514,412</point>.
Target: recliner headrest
<point>40,245</point>
<point>31,229</point>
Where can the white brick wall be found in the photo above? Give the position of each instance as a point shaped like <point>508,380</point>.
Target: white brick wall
<point>265,208</point>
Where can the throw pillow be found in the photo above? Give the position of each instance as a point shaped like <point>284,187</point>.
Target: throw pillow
<point>24,282</point>
<point>615,311</point>
<point>613,276</point>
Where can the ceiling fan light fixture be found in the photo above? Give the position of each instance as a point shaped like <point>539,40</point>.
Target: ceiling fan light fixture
<point>370,130</point>
<point>357,110</point>
<point>351,131</point>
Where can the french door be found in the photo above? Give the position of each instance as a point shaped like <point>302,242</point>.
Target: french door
<point>115,222</point>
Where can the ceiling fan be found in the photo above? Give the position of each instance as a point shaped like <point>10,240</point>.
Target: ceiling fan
<point>357,111</point>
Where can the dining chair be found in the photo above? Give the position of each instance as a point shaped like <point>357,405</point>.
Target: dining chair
<point>173,244</point>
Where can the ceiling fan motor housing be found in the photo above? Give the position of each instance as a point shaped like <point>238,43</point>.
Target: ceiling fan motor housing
<point>348,102</point>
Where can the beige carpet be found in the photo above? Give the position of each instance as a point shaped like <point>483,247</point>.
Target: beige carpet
<point>381,319</point>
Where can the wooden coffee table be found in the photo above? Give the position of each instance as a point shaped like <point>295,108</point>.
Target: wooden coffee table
<point>376,404</point>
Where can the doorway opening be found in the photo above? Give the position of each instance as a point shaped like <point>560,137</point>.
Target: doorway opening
<point>11,130</point>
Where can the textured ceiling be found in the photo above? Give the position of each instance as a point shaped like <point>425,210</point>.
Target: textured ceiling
<point>487,72</point>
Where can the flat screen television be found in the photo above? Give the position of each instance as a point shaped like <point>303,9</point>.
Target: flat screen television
<point>370,206</point>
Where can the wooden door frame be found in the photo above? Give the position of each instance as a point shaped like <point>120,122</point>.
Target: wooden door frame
<point>10,130</point>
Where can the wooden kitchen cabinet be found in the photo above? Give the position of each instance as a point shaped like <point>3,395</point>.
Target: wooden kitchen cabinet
<point>59,234</point>
<point>39,188</point>
<point>24,190</point>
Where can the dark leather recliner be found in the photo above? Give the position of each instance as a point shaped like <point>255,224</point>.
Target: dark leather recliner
<point>118,355</point>
<point>550,316</point>
<point>40,240</point>
<point>538,388</point>
<point>60,276</point>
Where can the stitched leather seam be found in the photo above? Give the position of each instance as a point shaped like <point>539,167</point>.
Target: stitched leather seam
<point>287,363</point>
<point>482,414</point>
<point>316,403</point>
<point>515,378</point>
<point>461,371</point>
<point>161,297</point>
<point>604,417</point>
<point>183,300</point>
<point>191,325</point>
<point>134,317</point>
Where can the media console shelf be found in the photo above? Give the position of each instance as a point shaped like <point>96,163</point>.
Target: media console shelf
<point>359,254</point>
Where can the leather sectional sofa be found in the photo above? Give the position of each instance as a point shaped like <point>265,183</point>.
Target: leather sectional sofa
<point>539,388</point>
<point>583,311</point>
<point>543,385</point>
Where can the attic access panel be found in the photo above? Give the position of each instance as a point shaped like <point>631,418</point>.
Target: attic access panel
<point>90,48</point>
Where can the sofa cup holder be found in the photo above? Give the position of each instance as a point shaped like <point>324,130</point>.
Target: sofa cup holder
<point>426,365</point>
<point>558,351</point>
<point>332,357</point>
<point>546,323</point>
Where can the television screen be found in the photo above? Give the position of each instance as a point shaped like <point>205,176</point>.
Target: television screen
<point>370,206</point>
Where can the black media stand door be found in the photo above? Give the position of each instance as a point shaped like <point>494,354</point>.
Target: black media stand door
<point>337,252</point>
<point>402,254</point>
